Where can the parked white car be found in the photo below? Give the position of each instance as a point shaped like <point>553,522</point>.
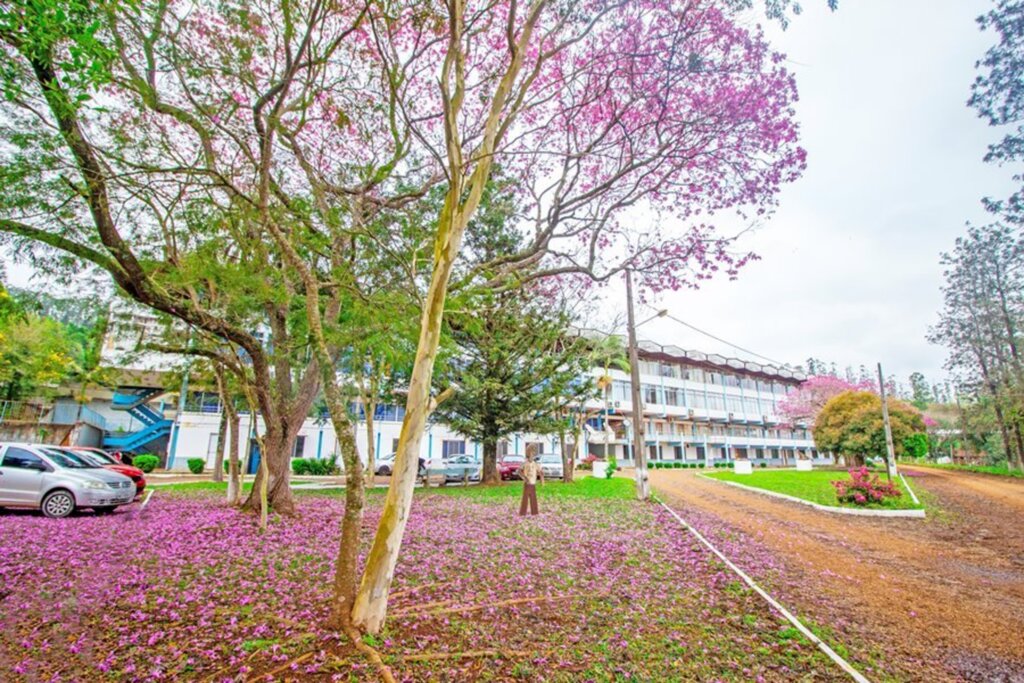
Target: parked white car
<point>58,482</point>
<point>551,465</point>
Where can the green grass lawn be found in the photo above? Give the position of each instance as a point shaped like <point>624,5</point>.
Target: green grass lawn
<point>814,486</point>
<point>1001,470</point>
<point>581,487</point>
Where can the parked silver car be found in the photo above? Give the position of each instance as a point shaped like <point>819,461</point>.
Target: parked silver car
<point>461,467</point>
<point>58,482</point>
<point>551,465</point>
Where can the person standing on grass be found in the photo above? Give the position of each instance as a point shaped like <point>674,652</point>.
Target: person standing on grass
<point>530,472</point>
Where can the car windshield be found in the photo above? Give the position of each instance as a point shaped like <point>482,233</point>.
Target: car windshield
<point>513,458</point>
<point>97,456</point>
<point>550,458</point>
<point>66,459</point>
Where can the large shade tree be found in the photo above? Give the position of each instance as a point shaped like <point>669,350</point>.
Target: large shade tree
<point>980,324</point>
<point>517,364</point>
<point>851,425</point>
<point>998,94</point>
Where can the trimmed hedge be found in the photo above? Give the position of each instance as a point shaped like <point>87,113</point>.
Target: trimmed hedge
<point>196,465</point>
<point>314,467</point>
<point>145,462</point>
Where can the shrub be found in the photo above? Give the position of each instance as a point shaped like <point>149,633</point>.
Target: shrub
<point>864,488</point>
<point>764,464</point>
<point>196,465</point>
<point>588,462</point>
<point>314,467</point>
<point>145,462</point>
<point>612,466</point>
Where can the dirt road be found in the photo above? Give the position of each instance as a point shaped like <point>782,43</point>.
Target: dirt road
<point>934,599</point>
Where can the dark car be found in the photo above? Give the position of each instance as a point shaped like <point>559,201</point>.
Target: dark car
<point>510,465</point>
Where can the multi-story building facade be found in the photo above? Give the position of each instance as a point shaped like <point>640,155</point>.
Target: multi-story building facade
<point>698,407</point>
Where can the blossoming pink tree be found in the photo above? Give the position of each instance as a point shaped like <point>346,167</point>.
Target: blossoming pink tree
<point>802,404</point>
<point>598,108</point>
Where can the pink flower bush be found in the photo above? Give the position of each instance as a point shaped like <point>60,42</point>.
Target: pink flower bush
<point>864,488</point>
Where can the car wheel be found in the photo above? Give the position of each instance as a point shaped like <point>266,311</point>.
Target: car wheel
<point>384,471</point>
<point>104,509</point>
<point>58,504</point>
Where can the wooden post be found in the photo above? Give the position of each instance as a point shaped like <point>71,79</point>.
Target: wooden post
<point>640,458</point>
<point>890,454</point>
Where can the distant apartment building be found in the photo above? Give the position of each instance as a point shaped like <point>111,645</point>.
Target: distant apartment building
<point>698,407</point>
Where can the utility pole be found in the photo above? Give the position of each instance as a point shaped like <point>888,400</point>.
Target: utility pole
<point>643,490</point>
<point>890,462</point>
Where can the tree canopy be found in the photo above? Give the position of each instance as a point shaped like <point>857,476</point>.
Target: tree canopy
<point>851,424</point>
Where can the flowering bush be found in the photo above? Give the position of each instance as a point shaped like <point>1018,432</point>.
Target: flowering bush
<point>864,488</point>
<point>588,462</point>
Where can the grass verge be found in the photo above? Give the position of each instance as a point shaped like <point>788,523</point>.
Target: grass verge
<point>814,486</point>
<point>1000,471</point>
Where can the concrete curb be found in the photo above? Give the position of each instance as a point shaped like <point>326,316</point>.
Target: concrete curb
<point>913,496</point>
<point>918,514</point>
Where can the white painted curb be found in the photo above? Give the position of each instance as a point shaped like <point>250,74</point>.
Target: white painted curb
<point>913,496</point>
<point>918,514</point>
<point>843,664</point>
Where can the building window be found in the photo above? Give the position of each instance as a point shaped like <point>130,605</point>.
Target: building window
<point>651,394</point>
<point>450,447</point>
<point>672,396</point>
<point>700,453</point>
<point>300,446</point>
<point>394,445</point>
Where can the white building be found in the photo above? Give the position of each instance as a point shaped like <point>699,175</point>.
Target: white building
<point>698,407</point>
<point>198,426</point>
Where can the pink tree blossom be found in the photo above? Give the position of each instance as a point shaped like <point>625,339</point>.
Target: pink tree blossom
<point>802,404</point>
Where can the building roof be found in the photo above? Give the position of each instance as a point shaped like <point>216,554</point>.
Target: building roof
<point>650,350</point>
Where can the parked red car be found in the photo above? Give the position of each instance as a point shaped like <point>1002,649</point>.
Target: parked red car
<point>107,461</point>
<point>509,466</point>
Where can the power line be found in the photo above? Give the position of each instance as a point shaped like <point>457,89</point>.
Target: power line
<point>727,343</point>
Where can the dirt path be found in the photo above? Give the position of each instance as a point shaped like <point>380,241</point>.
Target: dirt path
<point>944,597</point>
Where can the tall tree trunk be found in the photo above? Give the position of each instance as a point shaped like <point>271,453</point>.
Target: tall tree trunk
<point>275,453</point>
<point>371,601</point>
<point>222,428</point>
<point>370,407</point>
<point>218,461</point>
<point>490,475</point>
<point>234,466</point>
<point>1013,460</point>
<point>568,457</point>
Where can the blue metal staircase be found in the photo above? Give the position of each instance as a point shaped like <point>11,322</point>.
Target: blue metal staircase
<point>157,428</point>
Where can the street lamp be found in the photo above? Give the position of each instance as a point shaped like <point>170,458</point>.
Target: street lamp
<point>643,489</point>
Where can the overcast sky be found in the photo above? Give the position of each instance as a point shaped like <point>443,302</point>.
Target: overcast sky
<point>850,261</point>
